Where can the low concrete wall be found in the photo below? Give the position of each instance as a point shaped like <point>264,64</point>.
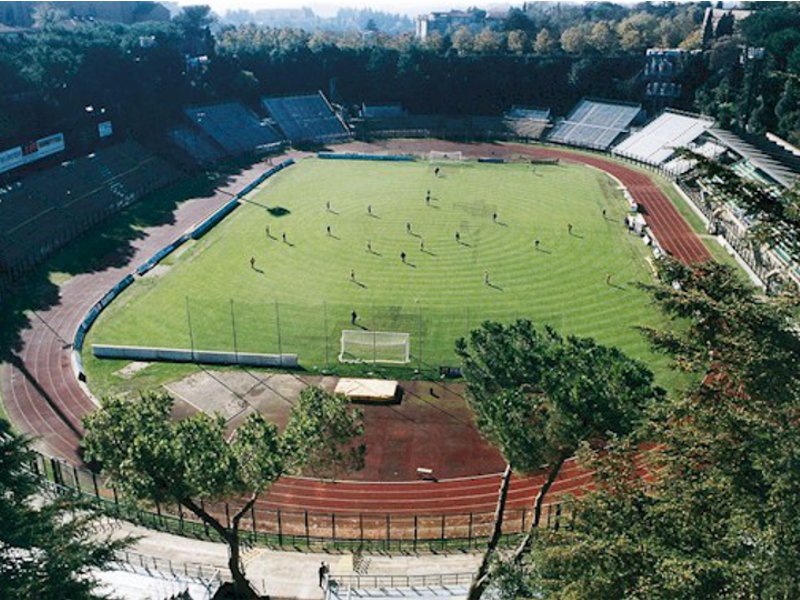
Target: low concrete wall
<point>208,357</point>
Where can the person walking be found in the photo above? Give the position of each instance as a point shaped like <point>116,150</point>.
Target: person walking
<point>323,572</point>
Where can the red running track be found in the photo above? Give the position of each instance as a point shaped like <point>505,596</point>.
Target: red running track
<point>43,399</point>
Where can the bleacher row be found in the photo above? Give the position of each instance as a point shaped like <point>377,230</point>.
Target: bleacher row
<point>45,210</point>
<point>215,131</point>
<point>595,124</point>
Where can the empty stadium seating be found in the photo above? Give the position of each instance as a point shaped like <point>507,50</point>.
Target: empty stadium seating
<point>657,141</point>
<point>48,209</point>
<point>382,111</point>
<point>595,124</point>
<point>196,144</point>
<point>527,123</point>
<point>441,126</point>
<point>233,127</point>
<point>306,118</point>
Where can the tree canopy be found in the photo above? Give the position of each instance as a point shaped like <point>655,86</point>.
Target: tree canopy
<point>151,458</point>
<point>538,396</point>
<point>48,544</point>
<point>717,515</point>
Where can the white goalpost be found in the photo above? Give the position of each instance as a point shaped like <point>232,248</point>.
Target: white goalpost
<point>360,346</point>
<point>439,156</point>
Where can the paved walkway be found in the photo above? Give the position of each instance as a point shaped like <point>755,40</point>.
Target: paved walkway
<point>287,574</point>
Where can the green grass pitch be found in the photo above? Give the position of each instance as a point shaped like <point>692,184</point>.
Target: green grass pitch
<point>300,295</point>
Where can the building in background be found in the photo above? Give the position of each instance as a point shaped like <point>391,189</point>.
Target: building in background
<point>444,23</point>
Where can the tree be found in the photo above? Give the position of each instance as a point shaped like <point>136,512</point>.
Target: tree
<point>545,42</point>
<point>637,32</point>
<point>537,397</point>
<point>517,41</point>
<point>574,40</point>
<point>603,38</point>
<point>463,41</point>
<point>153,459</point>
<point>48,545</point>
<point>488,41</point>
<point>718,517</point>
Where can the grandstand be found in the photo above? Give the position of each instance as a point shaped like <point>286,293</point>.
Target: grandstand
<point>200,148</point>
<point>656,143</point>
<point>756,157</point>
<point>307,118</point>
<point>595,123</point>
<point>528,123</point>
<point>439,126</point>
<point>236,129</point>
<point>382,111</point>
<point>46,210</point>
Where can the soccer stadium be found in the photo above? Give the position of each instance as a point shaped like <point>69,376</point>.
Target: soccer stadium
<point>303,332</point>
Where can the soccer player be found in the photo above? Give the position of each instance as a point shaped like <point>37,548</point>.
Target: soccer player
<point>408,227</point>
<point>369,209</point>
<point>608,278</point>
<point>428,198</point>
<point>436,172</point>
<point>328,206</point>
<point>422,245</point>
<point>369,246</point>
<point>403,257</point>
<point>353,317</point>
<point>252,262</point>
<point>604,213</point>
<point>486,277</point>
<point>283,237</point>
<point>352,275</point>
<point>458,237</point>
<point>269,235</point>
<point>569,228</point>
<point>536,243</point>
<point>494,217</point>
<point>328,228</point>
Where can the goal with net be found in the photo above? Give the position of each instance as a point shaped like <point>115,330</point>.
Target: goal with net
<point>360,346</point>
<point>436,156</point>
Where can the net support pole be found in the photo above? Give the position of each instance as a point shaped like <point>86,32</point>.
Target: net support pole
<point>233,330</point>
<point>278,329</point>
<point>189,323</point>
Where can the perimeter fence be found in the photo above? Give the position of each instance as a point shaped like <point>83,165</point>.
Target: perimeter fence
<point>298,529</point>
<point>313,331</point>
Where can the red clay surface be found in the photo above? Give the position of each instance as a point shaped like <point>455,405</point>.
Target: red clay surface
<point>43,399</point>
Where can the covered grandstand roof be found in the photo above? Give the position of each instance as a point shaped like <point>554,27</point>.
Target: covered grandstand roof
<point>595,123</point>
<point>762,155</point>
<point>308,118</point>
<point>657,141</point>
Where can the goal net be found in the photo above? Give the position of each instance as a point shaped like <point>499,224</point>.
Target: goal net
<point>436,155</point>
<point>360,346</point>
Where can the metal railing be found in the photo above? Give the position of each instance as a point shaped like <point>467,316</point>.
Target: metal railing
<point>357,581</point>
<point>300,529</point>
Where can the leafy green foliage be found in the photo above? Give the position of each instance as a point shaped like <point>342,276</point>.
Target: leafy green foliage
<point>48,545</point>
<point>716,514</point>
<point>537,395</point>
<point>151,458</point>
